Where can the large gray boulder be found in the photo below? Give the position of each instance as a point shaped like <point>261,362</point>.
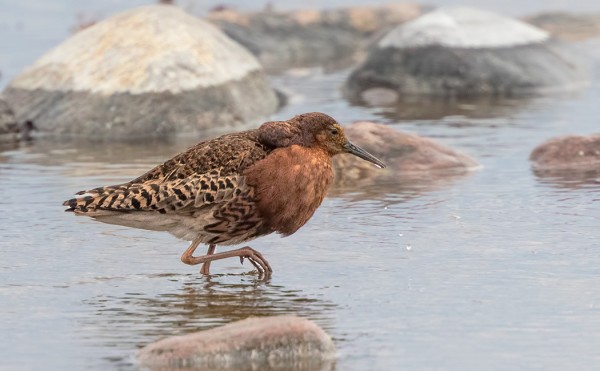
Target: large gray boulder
<point>273,343</point>
<point>311,37</point>
<point>458,51</point>
<point>150,71</point>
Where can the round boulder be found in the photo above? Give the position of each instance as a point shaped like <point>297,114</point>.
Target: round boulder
<point>280,342</point>
<point>568,152</point>
<point>459,51</point>
<point>150,71</point>
<point>404,154</point>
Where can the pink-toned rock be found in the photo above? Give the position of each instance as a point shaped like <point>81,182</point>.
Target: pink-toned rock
<point>568,152</point>
<point>403,153</point>
<point>568,26</point>
<point>252,343</point>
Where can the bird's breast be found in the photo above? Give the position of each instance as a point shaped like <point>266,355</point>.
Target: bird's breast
<point>290,184</point>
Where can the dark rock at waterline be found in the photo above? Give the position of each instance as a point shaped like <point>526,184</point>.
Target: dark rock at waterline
<point>124,115</point>
<point>305,38</point>
<point>281,342</point>
<point>10,129</point>
<point>404,154</point>
<point>567,152</point>
<point>150,71</point>
<point>461,51</point>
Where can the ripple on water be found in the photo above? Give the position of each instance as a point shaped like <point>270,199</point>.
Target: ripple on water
<point>188,303</point>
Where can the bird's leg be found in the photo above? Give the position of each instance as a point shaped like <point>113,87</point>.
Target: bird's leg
<point>187,255</point>
<point>247,252</point>
<point>205,270</point>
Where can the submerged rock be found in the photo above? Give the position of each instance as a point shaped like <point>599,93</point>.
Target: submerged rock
<point>568,152</point>
<point>151,71</point>
<point>281,342</point>
<point>459,51</point>
<point>406,155</point>
<point>306,38</point>
<point>568,161</point>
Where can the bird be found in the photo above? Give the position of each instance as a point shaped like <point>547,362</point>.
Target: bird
<point>230,189</point>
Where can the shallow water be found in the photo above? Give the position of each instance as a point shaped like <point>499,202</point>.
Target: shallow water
<point>496,270</point>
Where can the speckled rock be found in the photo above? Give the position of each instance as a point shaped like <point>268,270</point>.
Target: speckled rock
<point>568,152</point>
<point>150,71</point>
<point>281,342</point>
<point>458,51</point>
<point>306,38</point>
<point>403,153</point>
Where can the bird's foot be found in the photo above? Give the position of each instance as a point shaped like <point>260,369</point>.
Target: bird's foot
<point>258,261</point>
<point>205,270</point>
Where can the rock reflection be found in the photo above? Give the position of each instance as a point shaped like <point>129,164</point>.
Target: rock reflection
<point>569,178</point>
<point>196,303</point>
<point>14,146</point>
<point>395,187</point>
<point>54,152</point>
<point>418,107</point>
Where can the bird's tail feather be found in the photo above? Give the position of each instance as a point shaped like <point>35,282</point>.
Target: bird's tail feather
<point>106,198</point>
<point>162,197</point>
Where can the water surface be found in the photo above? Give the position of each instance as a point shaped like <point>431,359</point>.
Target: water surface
<point>496,270</point>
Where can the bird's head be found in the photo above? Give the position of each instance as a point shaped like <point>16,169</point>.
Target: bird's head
<point>313,129</point>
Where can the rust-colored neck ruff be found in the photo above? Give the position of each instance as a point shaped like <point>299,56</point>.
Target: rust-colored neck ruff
<point>290,184</point>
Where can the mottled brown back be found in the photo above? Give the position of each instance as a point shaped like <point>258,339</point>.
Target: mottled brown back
<point>200,173</point>
<point>230,154</point>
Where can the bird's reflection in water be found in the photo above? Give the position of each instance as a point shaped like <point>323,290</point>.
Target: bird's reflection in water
<point>197,303</point>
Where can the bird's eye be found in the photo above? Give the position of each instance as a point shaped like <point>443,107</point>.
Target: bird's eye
<point>334,131</point>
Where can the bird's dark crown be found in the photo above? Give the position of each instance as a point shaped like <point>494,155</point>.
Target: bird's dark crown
<point>308,130</point>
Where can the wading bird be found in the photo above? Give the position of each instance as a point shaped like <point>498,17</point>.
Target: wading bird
<point>230,189</point>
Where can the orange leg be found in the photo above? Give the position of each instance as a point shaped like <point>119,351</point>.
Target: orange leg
<point>256,258</point>
<point>205,270</point>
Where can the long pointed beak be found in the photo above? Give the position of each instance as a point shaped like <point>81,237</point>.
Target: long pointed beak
<point>359,152</point>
